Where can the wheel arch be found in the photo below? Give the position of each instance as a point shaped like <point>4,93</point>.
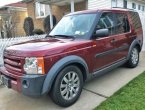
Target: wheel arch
<point>82,68</point>
<point>138,47</point>
<point>61,64</point>
<point>135,43</point>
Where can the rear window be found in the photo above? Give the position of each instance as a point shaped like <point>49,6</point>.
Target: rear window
<point>122,23</point>
<point>135,20</point>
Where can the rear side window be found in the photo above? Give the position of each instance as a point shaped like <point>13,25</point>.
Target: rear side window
<point>122,24</point>
<point>135,20</point>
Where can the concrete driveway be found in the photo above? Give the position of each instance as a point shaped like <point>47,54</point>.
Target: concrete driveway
<point>93,94</point>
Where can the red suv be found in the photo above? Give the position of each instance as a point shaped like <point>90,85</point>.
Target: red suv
<point>81,46</point>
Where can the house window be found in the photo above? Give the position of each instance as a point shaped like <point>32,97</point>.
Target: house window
<point>125,3</point>
<point>114,3</point>
<point>40,10</point>
<point>139,7</point>
<point>133,5</point>
<point>143,8</point>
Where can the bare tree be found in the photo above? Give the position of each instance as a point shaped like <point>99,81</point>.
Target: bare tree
<point>9,24</point>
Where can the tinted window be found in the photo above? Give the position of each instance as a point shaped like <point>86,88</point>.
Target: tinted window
<point>107,22</point>
<point>122,24</point>
<point>135,20</point>
<point>142,8</point>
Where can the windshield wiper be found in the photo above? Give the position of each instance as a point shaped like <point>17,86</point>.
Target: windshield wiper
<point>66,36</point>
<point>49,35</point>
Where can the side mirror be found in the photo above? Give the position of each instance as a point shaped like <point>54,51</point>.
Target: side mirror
<point>102,33</point>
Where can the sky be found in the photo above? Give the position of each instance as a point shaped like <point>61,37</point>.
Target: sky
<point>5,2</point>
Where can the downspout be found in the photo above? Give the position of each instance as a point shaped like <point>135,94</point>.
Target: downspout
<point>51,17</point>
<point>72,6</point>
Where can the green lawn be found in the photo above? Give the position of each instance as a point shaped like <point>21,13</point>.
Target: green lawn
<point>130,97</point>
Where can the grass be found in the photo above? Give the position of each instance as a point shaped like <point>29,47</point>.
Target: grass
<point>130,97</point>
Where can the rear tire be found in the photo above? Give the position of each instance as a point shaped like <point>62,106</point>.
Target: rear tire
<point>67,87</point>
<point>134,58</point>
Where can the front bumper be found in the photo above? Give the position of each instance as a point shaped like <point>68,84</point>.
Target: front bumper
<point>30,85</point>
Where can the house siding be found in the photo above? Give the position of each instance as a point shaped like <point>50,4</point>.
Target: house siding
<point>119,3</point>
<point>93,4</point>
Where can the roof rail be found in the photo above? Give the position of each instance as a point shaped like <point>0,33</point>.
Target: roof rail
<point>124,8</point>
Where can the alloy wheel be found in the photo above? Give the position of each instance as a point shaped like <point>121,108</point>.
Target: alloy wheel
<point>134,56</point>
<point>70,85</point>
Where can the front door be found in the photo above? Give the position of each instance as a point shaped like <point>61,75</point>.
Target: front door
<point>104,47</point>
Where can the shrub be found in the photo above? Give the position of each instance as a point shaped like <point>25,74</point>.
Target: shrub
<point>37,32</point>
<point>28,26</point>
<point>46,23</point>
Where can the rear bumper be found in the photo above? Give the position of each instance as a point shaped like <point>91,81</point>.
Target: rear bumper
<point>30,85</point>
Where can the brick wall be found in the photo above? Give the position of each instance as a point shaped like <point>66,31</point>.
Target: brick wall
<point>21,15</point>
<point>58,11</point>
<point>38,23</point>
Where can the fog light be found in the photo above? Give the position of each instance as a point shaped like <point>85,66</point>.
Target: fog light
<point>25,84</point>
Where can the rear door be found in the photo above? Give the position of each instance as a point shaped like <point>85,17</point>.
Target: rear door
<point>122,33</point>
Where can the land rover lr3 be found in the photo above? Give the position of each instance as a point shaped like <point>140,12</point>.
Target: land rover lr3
<point>81,46</point>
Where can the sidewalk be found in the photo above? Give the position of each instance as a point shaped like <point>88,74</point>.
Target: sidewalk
<point>94,92</point>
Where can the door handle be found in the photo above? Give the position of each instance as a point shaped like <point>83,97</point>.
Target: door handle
<point>113,40</point>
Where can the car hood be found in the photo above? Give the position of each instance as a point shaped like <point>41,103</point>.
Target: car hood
<point>43,47</point>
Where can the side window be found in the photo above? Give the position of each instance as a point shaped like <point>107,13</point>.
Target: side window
<point>122,24</point>
<point>107,22</point>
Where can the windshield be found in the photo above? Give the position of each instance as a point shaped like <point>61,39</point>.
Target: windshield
<point>74,25</point>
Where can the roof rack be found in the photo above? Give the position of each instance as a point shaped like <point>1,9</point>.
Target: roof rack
<point>124,8</point>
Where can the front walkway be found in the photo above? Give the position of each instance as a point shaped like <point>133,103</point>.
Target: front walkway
<point>94,92</point>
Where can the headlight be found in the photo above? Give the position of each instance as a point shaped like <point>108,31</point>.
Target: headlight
<point>34,65</point>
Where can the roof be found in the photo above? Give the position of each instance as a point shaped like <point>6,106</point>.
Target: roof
<point>18,4</point>
<point>99,10</point>
<point>27,1</point>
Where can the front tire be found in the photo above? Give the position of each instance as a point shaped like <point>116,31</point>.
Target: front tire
<point>67,87</point>
<point>134,58</point>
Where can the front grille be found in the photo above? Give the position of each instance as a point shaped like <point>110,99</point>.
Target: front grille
<point>13,64</point>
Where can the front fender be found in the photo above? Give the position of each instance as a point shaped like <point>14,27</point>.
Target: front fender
<point>57,67</point>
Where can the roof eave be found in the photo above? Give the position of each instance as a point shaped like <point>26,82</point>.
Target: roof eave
<point>49,1</point>
<point>26,1</point>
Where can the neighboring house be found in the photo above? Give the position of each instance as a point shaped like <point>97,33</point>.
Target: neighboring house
<point>11,19</point>
<point>38,11</point>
